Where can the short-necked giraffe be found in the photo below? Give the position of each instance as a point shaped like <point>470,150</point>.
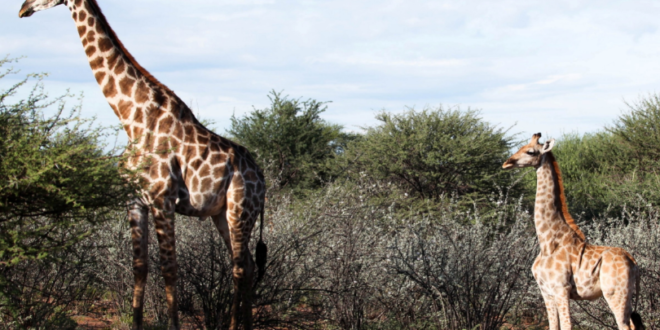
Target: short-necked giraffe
<point>568,267</point>
<point>183,167</point>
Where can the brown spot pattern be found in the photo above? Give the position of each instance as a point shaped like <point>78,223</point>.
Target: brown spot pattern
<point>110,90</point>
<point>165,125</point>
<point>120,67</point>
<point>90,51</point>
<point>99,77</point>
<point>142,92</point>
<point>125,108</point>
<point>131,72</point>
<point>104,44</point>
<point>126,86</point>
<point>112,60</point>
<point>139,116</point>
<point>81,30</point>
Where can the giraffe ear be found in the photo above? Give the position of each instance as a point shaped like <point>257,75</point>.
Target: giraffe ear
<point>548,145</point>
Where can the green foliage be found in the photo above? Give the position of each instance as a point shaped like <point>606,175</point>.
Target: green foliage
<point>52,167</point>
<point>55,180</point>
<point>619,166</point>
<point>639,132</point>
<point>291,141</point>
<point>434,152</point>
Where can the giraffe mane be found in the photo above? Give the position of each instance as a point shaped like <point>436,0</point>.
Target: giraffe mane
<point>562,198</point>
<point>113,36</point>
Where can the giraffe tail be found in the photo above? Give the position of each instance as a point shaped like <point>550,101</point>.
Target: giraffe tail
<point>261,254</point>
<point>635,318</point>
<point>637,321</point>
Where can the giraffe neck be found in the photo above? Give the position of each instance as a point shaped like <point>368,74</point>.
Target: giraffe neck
<point>554,225</point>
<point>137,98</point>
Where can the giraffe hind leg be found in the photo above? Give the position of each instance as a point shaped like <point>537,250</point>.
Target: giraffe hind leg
<point>618,284</point>
<point>220,222</point>
<point>243,268</point>
<point>246,292</point>
<point>620,308</point>
<point>243,273</point>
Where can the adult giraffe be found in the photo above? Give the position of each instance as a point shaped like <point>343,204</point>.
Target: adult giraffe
<point>568,267</point>
<point>182,166</point>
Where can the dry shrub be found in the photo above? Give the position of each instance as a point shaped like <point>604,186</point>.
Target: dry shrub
<point>340,258</point>
<point>45,293</point>
<point>471,272</point>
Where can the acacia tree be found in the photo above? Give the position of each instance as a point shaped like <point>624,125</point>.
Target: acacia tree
<point>291,141</point>
<point>55,180</point>
<point>434,152</point>
<point>618,166</point>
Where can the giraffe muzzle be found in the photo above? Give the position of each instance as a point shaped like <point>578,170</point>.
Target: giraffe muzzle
<point>26,9</point>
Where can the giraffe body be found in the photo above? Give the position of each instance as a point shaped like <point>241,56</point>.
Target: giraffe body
<point>182,166</point>
<point>568,267</point>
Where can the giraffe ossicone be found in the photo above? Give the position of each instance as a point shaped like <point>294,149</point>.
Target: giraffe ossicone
<point>182,166</point>
<point>568,267</point>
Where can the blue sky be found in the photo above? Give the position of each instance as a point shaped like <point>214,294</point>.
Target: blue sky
<point>546,66</point>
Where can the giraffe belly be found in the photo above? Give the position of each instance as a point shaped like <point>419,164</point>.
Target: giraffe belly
<point>587,284</point>
<point>199,205</point>
<point>587,275</point>
<point>587,289</point>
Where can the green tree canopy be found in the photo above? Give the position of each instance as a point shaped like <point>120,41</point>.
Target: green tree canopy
<point>54,174</point>
<point>619,166</point>
<point>434,152</point>
<point>291,141</point>
<point>583,160</point>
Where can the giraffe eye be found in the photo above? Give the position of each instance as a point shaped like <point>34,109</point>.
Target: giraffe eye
<point>532,152</point>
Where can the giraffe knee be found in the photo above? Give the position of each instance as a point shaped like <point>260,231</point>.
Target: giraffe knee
<point>140,268</point>
<point>239,271</point>
<point>243,272</point>
<point>169,273</point>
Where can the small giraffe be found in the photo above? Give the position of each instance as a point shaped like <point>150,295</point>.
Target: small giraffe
<point>182,166</point>
<point>568,267</point>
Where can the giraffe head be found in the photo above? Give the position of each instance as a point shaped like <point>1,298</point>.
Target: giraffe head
<point>531,154</point>
<point>31,6</point>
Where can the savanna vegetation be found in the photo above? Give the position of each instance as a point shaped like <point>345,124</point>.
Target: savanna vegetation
<point>410,224</point>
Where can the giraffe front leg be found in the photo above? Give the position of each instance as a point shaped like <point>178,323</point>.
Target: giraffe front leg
<point>168,265</point>
<point>138,215</point>
<point>551,308</point>
<point>562,301</point>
